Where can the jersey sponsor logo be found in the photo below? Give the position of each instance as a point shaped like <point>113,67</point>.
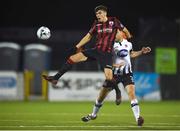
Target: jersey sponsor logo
<point>98,24</point>
<point>107,30</point>
<point>123,53</point>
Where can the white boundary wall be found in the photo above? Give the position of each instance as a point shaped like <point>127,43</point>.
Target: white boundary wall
<point>11,85</point>
<point>80,86</point>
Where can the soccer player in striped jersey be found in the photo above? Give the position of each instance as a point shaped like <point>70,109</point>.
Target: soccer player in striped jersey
<point>122,73</point>
<point>106,29</point>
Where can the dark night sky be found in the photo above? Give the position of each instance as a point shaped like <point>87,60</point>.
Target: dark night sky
<point>78,14</point>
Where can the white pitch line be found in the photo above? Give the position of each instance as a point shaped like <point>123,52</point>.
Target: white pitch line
<point>116,126</point>
<point>145,115</point>
<point>69,122</point>
<point>101,114</point>
<point>41,121</point>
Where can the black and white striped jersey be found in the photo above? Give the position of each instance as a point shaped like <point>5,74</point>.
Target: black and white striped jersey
<point>121,53</point>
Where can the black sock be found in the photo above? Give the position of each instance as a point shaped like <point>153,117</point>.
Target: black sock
<point>116,88</point>
<point>66,67</point>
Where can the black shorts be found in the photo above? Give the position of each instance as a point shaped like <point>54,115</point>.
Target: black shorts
<point>103,58</point>
<point>125,79</point>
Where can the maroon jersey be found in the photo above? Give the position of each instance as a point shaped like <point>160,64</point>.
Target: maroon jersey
<point>105,33</point>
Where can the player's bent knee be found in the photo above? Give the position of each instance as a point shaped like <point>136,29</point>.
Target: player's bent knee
<point>108,73</point>
<point>109,78</point>
<point>78,57</point>
<point>109,84</point>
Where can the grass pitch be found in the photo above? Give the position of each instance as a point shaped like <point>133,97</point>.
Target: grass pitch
<point>40,115</point>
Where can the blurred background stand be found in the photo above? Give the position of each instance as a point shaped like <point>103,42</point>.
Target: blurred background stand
<point>11,81</point>
<point>9,56</point>
<point>37,59</point>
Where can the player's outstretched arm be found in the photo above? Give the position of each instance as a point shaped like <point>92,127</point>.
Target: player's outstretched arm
<point>84,40</point>
<point>144,50</point>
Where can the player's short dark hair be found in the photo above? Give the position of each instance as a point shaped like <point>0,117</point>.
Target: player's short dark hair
<point>100,7</point>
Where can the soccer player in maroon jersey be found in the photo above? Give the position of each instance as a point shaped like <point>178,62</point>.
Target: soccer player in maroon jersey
<point>107,30</point>
<point>122,74</point>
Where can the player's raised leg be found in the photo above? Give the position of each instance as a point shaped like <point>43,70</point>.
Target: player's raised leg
<point>76,58</point>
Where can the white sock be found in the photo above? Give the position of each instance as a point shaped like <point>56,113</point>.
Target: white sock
<point>135,108</point>
<point>96,108</point>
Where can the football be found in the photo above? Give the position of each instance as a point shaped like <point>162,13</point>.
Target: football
<point>43,33</point>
